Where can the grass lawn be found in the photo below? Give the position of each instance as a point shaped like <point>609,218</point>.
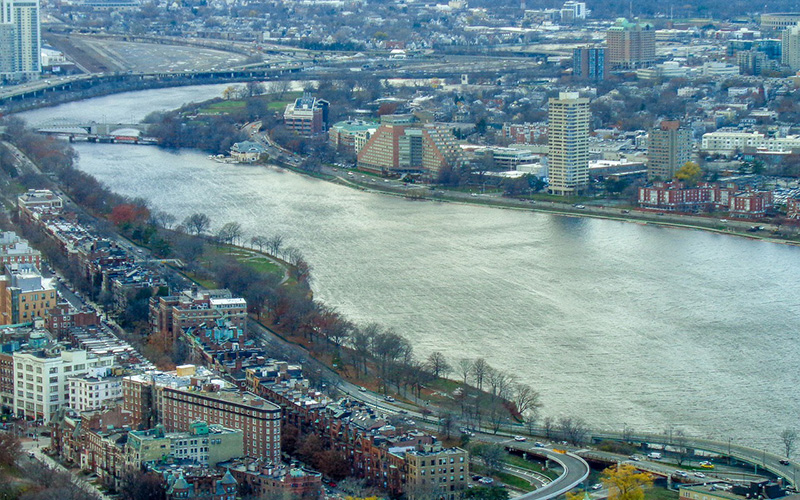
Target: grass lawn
<point>251,259</point>
<point>660,494</point>
<point>222,107</point>
<point>530,465</point>
<point>515,482</point>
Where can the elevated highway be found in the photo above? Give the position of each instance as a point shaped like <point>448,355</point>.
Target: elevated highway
<point>759,459</point>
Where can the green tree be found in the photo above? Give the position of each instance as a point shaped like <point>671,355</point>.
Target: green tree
<point>625,482</point>
<point>689,173</point>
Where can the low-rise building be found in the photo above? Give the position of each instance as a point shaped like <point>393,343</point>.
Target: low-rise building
<point>94,391</point>
<point>24,294</point>
<point>433,471</point>
<point>268,480</point>
<point>39,204</point>
<point>247,151</point>
<point>727,142</point>
<point>192,308</point>
<point>705,197</point>
<point>202,443</point>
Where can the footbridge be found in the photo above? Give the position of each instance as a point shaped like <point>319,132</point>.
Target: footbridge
<point>130,133</point>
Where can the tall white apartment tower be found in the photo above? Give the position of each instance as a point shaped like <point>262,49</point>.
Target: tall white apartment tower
<point>20,39</point>
<point>568,144</point>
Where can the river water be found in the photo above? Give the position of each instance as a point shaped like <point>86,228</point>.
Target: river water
<point>620,323</point>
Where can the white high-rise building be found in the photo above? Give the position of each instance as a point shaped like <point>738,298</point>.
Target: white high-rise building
<point>568,144</point>
<point>20,40</point>
<point>790,47</point>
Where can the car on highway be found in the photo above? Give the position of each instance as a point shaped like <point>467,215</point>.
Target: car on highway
<point>681,473</point>
<point>699,474</point>
<point>635,458</point>
<point>362,389</point>
<point>784,462</point>
<point>389,399</point>
<point>538,444</point>
<point>706,465</point>
<point>520,438</point>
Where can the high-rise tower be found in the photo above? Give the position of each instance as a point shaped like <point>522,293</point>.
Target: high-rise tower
<point>20,39</point>
<point>568,144</point>
<point>669,147</point>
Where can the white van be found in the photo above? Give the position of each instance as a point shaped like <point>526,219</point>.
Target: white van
<point>654,455</point>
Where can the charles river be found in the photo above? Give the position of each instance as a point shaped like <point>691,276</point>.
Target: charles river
<point>620,323</point>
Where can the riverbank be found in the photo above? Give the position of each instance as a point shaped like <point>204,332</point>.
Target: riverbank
<point>662,219</point>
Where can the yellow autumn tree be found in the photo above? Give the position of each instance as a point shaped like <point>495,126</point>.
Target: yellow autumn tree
<point>689,173</point>
<point>625,482</point>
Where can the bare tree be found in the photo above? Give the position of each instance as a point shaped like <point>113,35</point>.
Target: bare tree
<point>527,400</point>
<point>479,369</point>
<point>230,233</point>
<point>788,437</point>
<point>275,244</point>
<point>680,443</point>
<point>531,417</point>
<point>492,455</point>
<point>162,219</point>
<point>549,424</point>
<point>438,364</point>
<point>197,223</point>
<point>260,242</point>
<point>499,382</point>
<point>447,423</point>
<point>464,368</point>
<point>574,430</point>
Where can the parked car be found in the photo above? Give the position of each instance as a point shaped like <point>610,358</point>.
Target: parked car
<point>597,486</point>
<point>486,480</point>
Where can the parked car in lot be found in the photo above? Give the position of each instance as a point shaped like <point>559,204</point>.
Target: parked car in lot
<point>486,480</point>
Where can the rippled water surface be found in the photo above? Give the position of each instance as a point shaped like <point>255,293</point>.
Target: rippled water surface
<point>620,323</point>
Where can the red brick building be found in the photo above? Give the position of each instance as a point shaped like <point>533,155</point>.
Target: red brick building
<point>705,197</point>
<point>270,481</point>
<point>171,315</point>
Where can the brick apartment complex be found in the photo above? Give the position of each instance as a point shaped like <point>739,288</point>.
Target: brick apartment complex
<point>192,308</point>
<point>177,407</point>
<point>375,451</point>
<point>307,115</point>
<point>402,144</point>
<point>705,197</point>
<point>525,133</point>
<point>270,480</point>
